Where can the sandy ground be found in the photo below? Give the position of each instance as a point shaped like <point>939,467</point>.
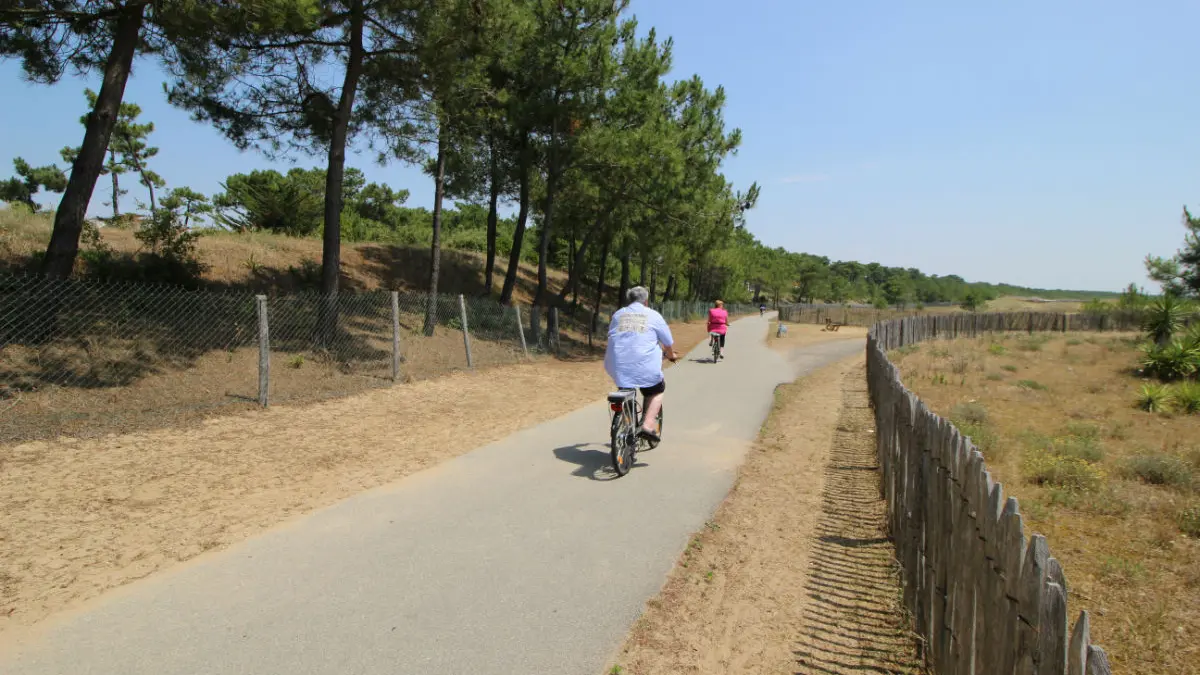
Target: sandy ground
<point>803,334</point>
<point>793,574</point>
<point>83,515</point>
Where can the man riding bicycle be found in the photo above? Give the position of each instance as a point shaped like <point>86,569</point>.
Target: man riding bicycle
<point>718,322</point>
<point>638,339</point>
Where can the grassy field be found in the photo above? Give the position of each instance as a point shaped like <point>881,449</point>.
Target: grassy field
<point>1115,489</point>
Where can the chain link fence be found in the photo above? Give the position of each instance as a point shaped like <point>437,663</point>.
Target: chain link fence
<point>87,357</point>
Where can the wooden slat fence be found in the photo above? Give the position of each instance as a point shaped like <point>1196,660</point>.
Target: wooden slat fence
<point>866,317</point>
<point>983,598</point>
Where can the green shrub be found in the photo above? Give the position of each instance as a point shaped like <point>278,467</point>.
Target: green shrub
<point>1173,361</point>
<point>1047,468</point>
<point>1033,385</point>
<point>1187,397</point>
<point>995,377</point>
<point>997,349</point>
<point>1154,398</point>
<point>1009,367</point>
<point>1102,502</point>
<point>1189,521</point>
<point>1164,470</point>
<point>982,436</point>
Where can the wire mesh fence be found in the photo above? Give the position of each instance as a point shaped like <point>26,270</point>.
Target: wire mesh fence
<point>85,357</point>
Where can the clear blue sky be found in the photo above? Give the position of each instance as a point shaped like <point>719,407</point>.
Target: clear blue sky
<point>1048,144</point>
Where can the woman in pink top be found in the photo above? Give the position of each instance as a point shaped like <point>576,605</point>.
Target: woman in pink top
<point>718,322</point>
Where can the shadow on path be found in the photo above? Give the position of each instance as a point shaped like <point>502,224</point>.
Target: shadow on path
<point>593,460</point>
<point>853,623</point>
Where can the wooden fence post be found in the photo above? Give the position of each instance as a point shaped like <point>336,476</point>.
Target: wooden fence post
<point>521,330</point>
<point>264,351</point>
<point>462,308</point>
<point>395,336</point>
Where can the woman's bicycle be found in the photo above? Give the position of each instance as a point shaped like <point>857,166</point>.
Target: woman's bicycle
<point>626,414</point>
<point>714,341</point>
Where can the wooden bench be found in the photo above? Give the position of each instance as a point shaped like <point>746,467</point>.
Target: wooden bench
<point>831,326</point>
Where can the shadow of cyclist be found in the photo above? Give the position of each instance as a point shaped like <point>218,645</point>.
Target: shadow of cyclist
<point>593,459</point>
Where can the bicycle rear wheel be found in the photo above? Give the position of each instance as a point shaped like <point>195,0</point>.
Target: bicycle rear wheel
<point>716,347</point>
<point>623,436</point>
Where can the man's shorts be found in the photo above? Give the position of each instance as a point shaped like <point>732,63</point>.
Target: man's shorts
<point>657,389</point>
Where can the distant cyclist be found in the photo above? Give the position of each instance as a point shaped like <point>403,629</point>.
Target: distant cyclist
<point>718,322</point>
<point>762,308</point>
<point>638,339</point>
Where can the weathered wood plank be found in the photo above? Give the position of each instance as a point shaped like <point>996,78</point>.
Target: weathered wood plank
<point>1077,651</point>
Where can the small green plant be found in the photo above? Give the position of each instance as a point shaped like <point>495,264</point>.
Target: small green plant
<point>1187,397</point>
<point>1158,469</point>
<point>296,361</point>
<point>1009,367</point>
<point>997,349</point>
<point>253,265</point>
<point>969,413</point>
<point>616,670</point>
<point>994,377</point>
<point>709,576</point>
<point>1154,398</point>
<point>1189,521</point>
<point>1074,342</point>
<point>1119,571</point>
<point>1032,385</point>
<point>938,378</point>
<point>1081,447</point>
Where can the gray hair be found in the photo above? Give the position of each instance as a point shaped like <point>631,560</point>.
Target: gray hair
<point>637,294</point>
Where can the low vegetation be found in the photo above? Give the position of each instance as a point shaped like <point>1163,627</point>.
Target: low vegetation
<point>1105,460</point>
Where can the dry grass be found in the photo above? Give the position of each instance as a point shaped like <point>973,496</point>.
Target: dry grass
<point>784,579</point>
<point>1108,484</point>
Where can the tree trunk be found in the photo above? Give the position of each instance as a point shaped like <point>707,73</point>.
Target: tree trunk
<point>331,249</point>
<point>68,219</point>
<point>625,256</point>
<point>116,202</point>
<point>514,256</point>
<point>541,298</point>
<point>653,282</point>
<point>670,292</point>
<point>642,271</point>
<point>493,202</point>
<point>435,251</point>
<point>150,186</point>
<point>599,288</point>
<point>575,272</point>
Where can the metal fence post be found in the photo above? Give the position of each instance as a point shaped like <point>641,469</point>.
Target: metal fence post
<point>521,330</point>
<point>395,336</point>
<point>462,306</point>
<point>264,351</point>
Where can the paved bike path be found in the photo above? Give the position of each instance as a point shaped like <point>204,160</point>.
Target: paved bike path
<point>518,557</point>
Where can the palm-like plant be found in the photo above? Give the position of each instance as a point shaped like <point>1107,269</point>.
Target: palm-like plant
<point>1164,317</point>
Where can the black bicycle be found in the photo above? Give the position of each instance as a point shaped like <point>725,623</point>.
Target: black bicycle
<point>626,413</point>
